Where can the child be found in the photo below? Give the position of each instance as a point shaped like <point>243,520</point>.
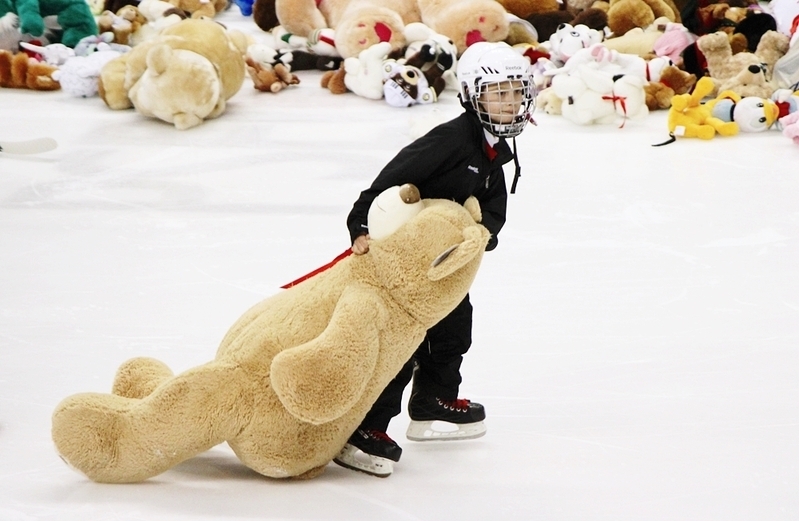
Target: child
<point>455,160</point>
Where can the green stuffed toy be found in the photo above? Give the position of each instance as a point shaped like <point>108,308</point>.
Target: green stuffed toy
<point>74,17</point>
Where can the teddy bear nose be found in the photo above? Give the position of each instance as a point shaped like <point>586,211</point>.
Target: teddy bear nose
<point>754,69</point>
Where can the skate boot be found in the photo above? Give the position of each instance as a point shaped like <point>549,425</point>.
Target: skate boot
<point>435,419</point>
<point>370,451</point>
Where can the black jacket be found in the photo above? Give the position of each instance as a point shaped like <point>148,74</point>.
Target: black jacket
<point>449,162</point>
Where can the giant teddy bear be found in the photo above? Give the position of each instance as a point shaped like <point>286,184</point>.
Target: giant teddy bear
<point>296,374</point>
<point>359,24</point>
<point>183,76</point>
<point>74,17</point>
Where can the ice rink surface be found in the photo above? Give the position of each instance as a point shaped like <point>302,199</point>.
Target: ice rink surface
<point>636,340</point>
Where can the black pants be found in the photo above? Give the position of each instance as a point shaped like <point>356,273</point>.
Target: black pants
<point>438,363</point>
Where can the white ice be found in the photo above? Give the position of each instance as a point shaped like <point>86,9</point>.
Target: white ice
<point>636,331</point>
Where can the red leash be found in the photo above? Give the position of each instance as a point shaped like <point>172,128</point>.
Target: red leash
<point>320,269</point>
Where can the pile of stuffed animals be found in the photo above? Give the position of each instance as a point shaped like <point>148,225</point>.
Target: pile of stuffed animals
<point>593,61</point>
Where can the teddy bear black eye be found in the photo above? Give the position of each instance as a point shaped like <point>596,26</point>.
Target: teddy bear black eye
<point>760,105</point>
<point>762,120</point>
<point>575,34</point>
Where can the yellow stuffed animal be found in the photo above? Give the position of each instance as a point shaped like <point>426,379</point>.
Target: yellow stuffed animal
<point>296,374</point>
<point>689,117</point>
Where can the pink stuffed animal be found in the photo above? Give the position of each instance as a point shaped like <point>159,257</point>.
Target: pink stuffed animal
<point>790,126</point>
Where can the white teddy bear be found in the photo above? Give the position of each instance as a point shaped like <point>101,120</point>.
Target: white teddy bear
<point>364,74</point>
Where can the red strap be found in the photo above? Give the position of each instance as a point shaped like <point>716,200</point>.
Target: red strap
<point>318,270</point>
<point>622,101</point>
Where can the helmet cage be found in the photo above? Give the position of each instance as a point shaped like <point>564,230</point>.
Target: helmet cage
<point>518,85</point>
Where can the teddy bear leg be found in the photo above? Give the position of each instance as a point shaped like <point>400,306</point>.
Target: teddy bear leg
<point>113,439</point>
<point>138,377</point>
<point>77,21</point>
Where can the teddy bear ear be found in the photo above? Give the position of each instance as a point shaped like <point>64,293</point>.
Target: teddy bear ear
<point>458,255</point>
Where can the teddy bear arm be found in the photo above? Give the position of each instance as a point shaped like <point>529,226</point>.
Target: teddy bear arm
<point>321,380</point>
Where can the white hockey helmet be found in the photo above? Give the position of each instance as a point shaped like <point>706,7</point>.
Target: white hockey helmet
<point>485,63</point>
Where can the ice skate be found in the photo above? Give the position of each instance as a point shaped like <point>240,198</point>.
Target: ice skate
<point>370,451</point>
<point>433,419</point>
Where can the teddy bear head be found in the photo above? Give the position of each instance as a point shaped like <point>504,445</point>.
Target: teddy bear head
<point>569,39</point>
<point>748,74</point>
<point>420,275</point>
<point>466,21</point>
<point>368,25</point>
<point>179,87</point>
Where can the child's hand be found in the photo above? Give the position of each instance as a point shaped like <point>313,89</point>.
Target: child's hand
<point>361,245</point>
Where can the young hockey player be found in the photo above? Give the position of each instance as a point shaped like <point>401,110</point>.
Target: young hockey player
<point>457,159</point>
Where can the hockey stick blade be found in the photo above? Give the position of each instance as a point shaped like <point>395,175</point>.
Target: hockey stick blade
<point>30,146</point>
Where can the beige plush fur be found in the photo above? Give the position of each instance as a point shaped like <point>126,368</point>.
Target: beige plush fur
<point>359,24</point>
<point>466,21</point>
<point>178,87</point>
<point>625,15</point>
<point>200,8</point>
<point>295,375</point>
<point>742,72</point>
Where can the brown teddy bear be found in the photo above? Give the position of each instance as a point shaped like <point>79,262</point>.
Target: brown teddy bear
<point>296,374</point>
<point>466,21</point>
<point>624,15</point>
<point>745,73</point>
<point>123,24</point>
<point>270,77</point>
<point>673,81</point>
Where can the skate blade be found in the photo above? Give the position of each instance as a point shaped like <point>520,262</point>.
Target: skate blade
<point>352,458</point>
<point>444,431</point>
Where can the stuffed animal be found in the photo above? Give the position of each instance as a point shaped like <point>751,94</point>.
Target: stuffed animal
<point>613,62</point>
<point>362,75</point>
<point>639,40</point>
<point>547,23</point>
<point>123,24</point>
<point>625,15</point>
<point>358,24</point>
<point>673,42</point>
<point>405,85</point>
<point>689,117</point>
<point>74,17</point>
<point>437,53</point>
<point>55,54</point>
<point>183,76</point>
<point>18,71</point>
<point>200,8</point>
<point>673,81</point>
<point>527,8</point>
<point>466,21</point>
<point>296,374</point>
<point>591,96</point>
<point>569,39</point>
<point>269,70</point>
<point>79,75</point>
<point>790,126</point>
<point>750,113</point>
<point>747,74</point>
